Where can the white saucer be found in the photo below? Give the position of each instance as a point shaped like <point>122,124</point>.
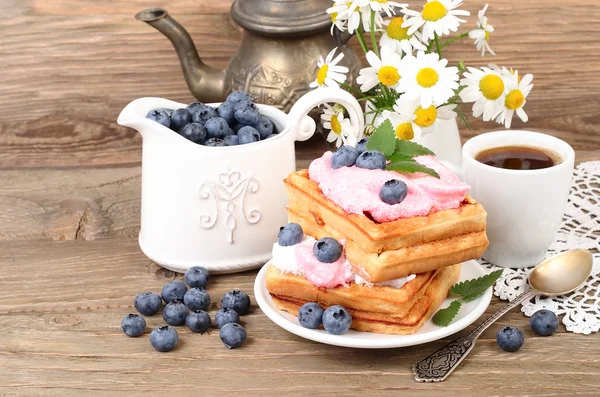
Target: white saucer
<point>469,312</point>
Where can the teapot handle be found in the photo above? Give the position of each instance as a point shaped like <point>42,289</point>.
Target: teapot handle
<point>298,115</point>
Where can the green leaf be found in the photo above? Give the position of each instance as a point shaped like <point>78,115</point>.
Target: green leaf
<point>411,166</point>
<point>383,139</point>
<point>444,317</point>
<point>399,157</point>
<point>472,289</point>
<point>411,149</point>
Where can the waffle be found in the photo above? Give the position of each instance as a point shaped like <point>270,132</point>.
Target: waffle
<point>369,316</point>
<point>385,251</point>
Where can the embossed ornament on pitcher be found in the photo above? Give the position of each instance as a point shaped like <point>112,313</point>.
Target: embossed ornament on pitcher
<point>277,58</point>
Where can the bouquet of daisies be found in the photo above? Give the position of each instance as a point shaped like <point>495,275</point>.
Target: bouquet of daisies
<point>408,82</point>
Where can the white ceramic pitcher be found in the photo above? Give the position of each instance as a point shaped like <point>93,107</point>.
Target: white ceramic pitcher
<point>219,207</point>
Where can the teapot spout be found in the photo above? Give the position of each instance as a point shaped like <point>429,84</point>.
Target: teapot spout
<point>205,82</point>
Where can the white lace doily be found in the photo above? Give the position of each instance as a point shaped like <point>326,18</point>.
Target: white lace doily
<point>580,311</point>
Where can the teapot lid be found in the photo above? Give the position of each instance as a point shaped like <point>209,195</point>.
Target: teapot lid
<point>282,17</point>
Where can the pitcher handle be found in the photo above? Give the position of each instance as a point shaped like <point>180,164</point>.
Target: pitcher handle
<point>298,115</point>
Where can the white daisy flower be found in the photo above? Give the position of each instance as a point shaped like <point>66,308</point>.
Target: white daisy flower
<point>516,92</point>
<point>412,121</point>
<point>354,16</point>
<point>427,77</point>
<point>398,38</point>
<point>337,22</point>
<point>380,5</point>
<point>437,17</point>
<point>485,87</point>
<point>384,71</point>
<point>340,128</point>
<point>482,33</point>
<point>329,73</point>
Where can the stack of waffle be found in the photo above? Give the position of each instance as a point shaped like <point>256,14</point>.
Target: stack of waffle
<point>426,249</point>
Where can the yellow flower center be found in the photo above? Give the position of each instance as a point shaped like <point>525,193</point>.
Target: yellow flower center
<point>514,100</point>
<point>349,5</point>
<point>433,11</point>
<point>491,86</point>
<point>425,117</point>
<point>396,31</point>
<point>335,124</point>
<point>334,17</point>
<point>405,131</point>
<point>427,77</point>
<point>322,74</point>
<point>381,1</point>
<point>388,75</point>
<point>487,35</point>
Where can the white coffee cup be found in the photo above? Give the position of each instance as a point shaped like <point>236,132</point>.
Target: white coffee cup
<point>525,207</point>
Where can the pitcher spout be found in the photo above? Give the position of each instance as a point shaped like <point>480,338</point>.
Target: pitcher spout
<point>205,82</point>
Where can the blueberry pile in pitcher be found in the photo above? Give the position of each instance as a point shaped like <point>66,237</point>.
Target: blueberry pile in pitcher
<point>237,121</point>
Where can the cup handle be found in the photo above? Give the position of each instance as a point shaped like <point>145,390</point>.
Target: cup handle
<point>298,115</point>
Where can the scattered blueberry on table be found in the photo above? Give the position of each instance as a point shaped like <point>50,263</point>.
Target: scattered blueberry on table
<point>198,321</point>
<point>175,290</point>
<point>232,335</point>
<point>164,339</point>
<point>543,322</point>
<point>147,303</point>
<point>310,315</point>
<point>336,320</point>
<point>196,299</point>
<point>236,300</point>
<point>510,339</point>
<point>225,316</point>
<point>393,192</point>
<point>133,325</point>
<point>327,250</point>
<point>175,312</point>
<point>207,126</point>
<point>197,277</point>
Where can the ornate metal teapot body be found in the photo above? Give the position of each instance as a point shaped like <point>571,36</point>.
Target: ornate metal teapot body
<point>277,58</point>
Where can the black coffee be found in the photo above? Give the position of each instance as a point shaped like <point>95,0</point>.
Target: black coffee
<point>518,158</point>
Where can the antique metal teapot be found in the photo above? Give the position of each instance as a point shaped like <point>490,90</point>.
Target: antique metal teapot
<point>277,58</point>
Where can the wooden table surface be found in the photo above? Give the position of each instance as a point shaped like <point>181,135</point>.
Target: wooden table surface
<point>70,204</point>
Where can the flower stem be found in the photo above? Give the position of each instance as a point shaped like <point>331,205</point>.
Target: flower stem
<point>437,45</point>
<point>351,88</point>
<point>361,39</point>
<point>452,40</point>
<point>373,39</point>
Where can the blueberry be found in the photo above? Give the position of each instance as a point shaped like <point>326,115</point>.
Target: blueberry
<point>203,113</point>
<point>133,325</point>
<point>214,142</point>
<point>164,339</point>
<point>232,335</point>
<point>345,156</point>
<point>327,250</point>
<point>180,118</point>
<point>236,300</point>
<point>232,140</point>
<point>310,315</point>
<point>175,313</point>
<point>195,132</point>
<point>160,116</point>
<point>236,127</point>
<point>173,291</point>
<point>226,316</point>
<point>197,277</point>
<point>264,127</point>
<point>290,234</point>
<point>361,146</point>
<point>393,192</point>
<point>216,127</point>
<point>336,320</point>
<point>238,96</point>
<point>196,299</point>
<point>192,107</point>
<point>510,339</point>
<point>147,303</point>
<point>225,111</point>
<point>371,160</point>
<point>543,322</point>
<point>198,321</point>
<point>248,134</point>
<point>246,113</point>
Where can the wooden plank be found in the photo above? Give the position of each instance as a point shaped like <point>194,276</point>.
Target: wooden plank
<point>70,67</point>
<point>60,314</point>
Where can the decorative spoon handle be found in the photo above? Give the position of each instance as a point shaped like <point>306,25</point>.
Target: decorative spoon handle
<point>438,365</point>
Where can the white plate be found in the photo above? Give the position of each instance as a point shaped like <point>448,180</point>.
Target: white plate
<point>469,312</point>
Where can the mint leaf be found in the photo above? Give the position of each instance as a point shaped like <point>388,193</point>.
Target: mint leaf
<point>383,139</point>
<point>411,149</point>
<point>411,166</point>
<point>399,157</point>
<point>444,317</point>
<point>472,289</point>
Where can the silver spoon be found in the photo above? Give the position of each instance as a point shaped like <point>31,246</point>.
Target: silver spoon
<point>559,275</point>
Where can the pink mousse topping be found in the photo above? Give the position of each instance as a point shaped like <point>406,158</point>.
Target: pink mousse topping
<point>328,275</point>
<point>356,190</point>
